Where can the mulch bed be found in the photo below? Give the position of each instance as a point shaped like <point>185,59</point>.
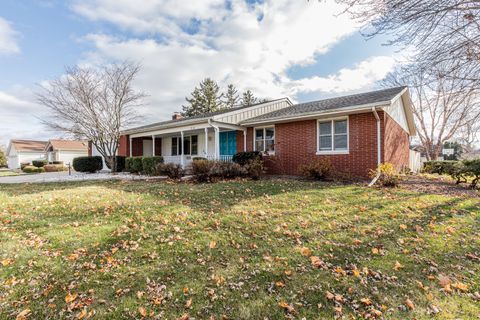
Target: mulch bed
<point>438,185</point>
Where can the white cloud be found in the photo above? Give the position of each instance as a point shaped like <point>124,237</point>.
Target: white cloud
<point>361,76</point>
<point>251,46</point>
<point>8,41</point>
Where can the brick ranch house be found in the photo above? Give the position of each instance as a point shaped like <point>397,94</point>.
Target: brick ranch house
<point>356,132</point>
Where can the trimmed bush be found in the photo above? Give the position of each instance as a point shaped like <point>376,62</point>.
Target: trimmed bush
<point>120,163</point>
<point>23,165</point>
<point>255,168</point>
<point>33,169</point>
<point>201,170</point>
<point>171,170</point>
<point>58,162</point>
<point>242,158</point>
<point>39,163</point>
<point>88,164</point>
<point>465,169</point>
<point>439,167</point>
<point>54,168</point>
<point>210,171</point>
<point>134,164</point>
<point>320,169</point>
<point>198,158</point>
<point>149,164</point>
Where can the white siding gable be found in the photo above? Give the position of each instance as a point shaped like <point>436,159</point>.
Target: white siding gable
<point>396,110</point>
<point>237,116</point>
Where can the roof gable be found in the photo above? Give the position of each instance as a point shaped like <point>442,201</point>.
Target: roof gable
<point>67,145</point>
<point>27,145</point>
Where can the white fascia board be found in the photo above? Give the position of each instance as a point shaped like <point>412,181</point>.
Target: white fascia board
<point>257,106</point>
<point>187,127</point>
<point>146,131</point>
<point>314,115</point>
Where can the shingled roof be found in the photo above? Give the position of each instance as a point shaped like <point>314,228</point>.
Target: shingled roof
<point>332,104</point>
<point>28,145</point>
<point>68,145</point>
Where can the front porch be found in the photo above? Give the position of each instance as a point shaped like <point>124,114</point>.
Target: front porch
<point>213,141</point>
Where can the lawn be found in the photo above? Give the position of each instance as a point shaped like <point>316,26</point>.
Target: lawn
<point>5,173</point>
<point>270,249</point>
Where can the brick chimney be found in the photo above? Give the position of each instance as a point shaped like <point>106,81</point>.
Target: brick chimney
<point>176,116</point>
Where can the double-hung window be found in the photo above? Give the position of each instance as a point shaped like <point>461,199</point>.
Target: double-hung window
<point>333,136</point>
<point>190,145</point>
<point>265,139</point>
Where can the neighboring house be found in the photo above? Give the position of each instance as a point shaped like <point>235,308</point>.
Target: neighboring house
<point>356,132</point>
<point>23,151</point>
<point>65,150</point>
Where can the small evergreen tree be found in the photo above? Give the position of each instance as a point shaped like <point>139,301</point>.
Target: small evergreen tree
<point>231,97</point>
<point>204,99</point>
<point>248,98</point>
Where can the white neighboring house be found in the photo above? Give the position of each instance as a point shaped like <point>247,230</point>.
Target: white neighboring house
<point>65,150</point>
<point>20,151</point>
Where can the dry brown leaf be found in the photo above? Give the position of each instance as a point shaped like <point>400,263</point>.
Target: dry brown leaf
<point>212,244</point>
<point>397,266</point>
<point>409,304</point>
<point>306,252</point>
<point>23,314</point>
<point>287,307</point>
<point>460,286</point>
<point>70,297</point>
<point>188,304</point>
<point>374,250</point>
<point>316,261</point>
<point>81,314</point>
<point>279,284</point>
<point>366,301</point>
<point>142,311</point>
<point>403,227</point>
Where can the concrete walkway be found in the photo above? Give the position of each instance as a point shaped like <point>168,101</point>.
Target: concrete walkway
<point>75,176</point>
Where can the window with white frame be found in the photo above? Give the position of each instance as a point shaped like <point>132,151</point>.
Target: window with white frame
<point>265,139</point>
<point>190,145</point>
<point>333,135</point>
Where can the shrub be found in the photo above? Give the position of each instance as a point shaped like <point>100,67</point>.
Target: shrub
<point>134,164</point>
<point>388,175</point>
<point>198,158</point>
<point>171,170</point>
<point>439,167</point>
<point>242,158</point>
<point>149,164</point>
<point>58,162</point>
<point>88,164</point>
<point>255,168</point>
<point>33,169</point>
<point>465,169</point>
<point>23,165</point>
<point>120,163</point>
<point>54,168</point>
<point>39,163</point>
<point>320,169</point>
<point>201,170</point>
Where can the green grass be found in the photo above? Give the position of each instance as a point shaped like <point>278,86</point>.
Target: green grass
<point>9,173</point>
<point>123,249</point>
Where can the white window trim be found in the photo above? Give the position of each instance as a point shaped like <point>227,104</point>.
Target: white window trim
<point>333,152</point>
<point>180,145</point>
<point>264,144</point>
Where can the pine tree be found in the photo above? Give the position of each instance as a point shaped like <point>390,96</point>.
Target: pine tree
<point>231,97</point>
<point>248,98</point>
<point>206,98</point>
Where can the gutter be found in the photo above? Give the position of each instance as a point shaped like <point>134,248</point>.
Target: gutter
<point>379,147</point>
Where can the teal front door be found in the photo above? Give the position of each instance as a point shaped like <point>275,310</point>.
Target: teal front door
<point>228,143</point>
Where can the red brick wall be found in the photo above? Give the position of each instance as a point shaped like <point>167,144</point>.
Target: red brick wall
<point>397,143</point>
<point>124,147</point>
<point>296,145</point>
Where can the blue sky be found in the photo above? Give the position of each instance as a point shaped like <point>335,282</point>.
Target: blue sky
<point>275,48</point>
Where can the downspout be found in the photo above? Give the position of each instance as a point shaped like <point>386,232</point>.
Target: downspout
<point>379,147</point>
<point>216,131</point>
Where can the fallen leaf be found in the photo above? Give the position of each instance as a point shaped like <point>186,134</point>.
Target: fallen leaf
<point>6,262</point>
<point>142,311</point>
<point>374,250</point>
<point>409,304</point>
<point>397,266</point>
<point>460,286</point>
<point>212,244</point>
<point>287,307</point>
<point>70,297</point>
<point>23,314</point>
<point>188,304</point>
<point>366,301</point>
<point>403,227</point>
<point>306,252</point>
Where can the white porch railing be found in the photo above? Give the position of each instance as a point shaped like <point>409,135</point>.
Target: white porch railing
<point>188,159</point>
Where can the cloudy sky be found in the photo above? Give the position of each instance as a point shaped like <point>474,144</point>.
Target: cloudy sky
<point>301,49</point>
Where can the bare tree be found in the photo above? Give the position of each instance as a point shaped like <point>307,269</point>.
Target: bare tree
<point>94,104</point>
<point>442,107</point>
<point>441,31</point>
<point>470,134</point>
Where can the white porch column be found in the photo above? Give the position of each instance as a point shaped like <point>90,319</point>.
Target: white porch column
<point>131,146</point>
<point>206,142</point>
<point>181,149</point>
<point>153,145</point>
<point>245,140</point>
<point>217,144</point>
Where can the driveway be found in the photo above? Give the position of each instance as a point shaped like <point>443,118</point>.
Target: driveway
<point>75,176</point>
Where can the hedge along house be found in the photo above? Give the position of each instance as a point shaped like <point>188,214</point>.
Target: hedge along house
<point>355,132</point>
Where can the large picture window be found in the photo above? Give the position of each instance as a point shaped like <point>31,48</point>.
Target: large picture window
<point>333,136</point>
<point>265,139</point>
<point>190,145</point>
